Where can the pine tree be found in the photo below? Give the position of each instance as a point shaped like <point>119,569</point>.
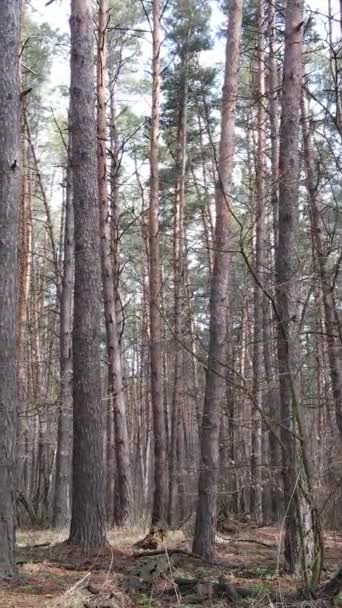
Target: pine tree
<point>159,429</point>
<point>115,384</point>
<point>88,527</point>
<point>204,537</point>
<point>187,37</point>
<point>10,164</point>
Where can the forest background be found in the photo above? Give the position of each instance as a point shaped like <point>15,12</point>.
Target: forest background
<point>271,429</point>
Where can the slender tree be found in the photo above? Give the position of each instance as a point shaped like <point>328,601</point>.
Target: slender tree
<point>330,316</point>
<point>178,278</point>
<point>88,487</point>
<point>303,540</point>
<point>285,263</point>
<point>260,203</point>
<point>204,538</point>
<point>24,268</point>
<point>159,496</point>
<point>9,216</point>
<point>62,501</point>
<point>115,385</point>
<point>188,36</point>
<point>268,313</point>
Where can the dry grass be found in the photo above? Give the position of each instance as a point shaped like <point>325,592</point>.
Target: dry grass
<point>124,538</point>
<point>74,599</point>
<point>37,537</point>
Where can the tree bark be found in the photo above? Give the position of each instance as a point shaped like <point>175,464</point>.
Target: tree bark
<point>62,501</point>
<point>23,287</point>
<point>123,486</point>
<point>274,119</point>
<point>159,496</point>
<point>179,291</point>
<point>333,342</point>
<point>285,266</point>
<point>303,541</point>
<point>204,538</point>
<point>115,208</point>
<point>260,202</point>
<point>9,218</point>
<point>271,371</point>
<point>88,487</point>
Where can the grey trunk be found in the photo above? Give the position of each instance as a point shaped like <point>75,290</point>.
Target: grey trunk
<point>88,518</point>
<point>9,217</point>
<point>159,428</point>
<point>62,502</point>
<point>258,367</point>
<point>123,486</point>
<point>204,538</point>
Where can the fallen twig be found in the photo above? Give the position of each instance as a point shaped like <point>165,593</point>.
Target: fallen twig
<point>220,588</point>
<point>170,552</point>
<point>246,540</point>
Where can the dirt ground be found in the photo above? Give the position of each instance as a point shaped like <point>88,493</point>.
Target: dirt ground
<point>53,575</point>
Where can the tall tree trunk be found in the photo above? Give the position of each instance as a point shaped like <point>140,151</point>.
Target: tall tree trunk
<point>88,528</point>
<point>204,538</point>
<point>114,242</point>
<point>9,217</point>
<point>274,119</point>
<point>179,289</point>
<point>271,373</point>
<point>165,367</point>
<point>24,280</point>
<point>333,342</point>
<point>258,368</point>
<point>272,404</point>
<point>62,502</point>
<point>159,496</point>
<point>285,267</point>
<point>115,208</point>
<point>303,542</point>
<point>285,270</point>
<point>193,346</point>
<point>110,465</point>
<point>123,486</point>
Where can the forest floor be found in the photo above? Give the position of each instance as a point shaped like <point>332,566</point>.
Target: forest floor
<point>52,575</point>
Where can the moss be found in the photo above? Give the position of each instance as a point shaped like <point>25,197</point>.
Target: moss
<point>145,601</point>
<point>264,572</point>
<point>262,588</point>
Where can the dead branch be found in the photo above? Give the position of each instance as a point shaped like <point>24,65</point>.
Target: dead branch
<point>245,540</point>
<point>220,588</point>
<point>169,552</point>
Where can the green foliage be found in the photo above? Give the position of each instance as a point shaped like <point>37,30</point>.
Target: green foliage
<point>125,33</point>
<point>40,45</point>
<point>264,572</point>
<point>263,588</point>
<point>145,601</point>
<point>187,26</point>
